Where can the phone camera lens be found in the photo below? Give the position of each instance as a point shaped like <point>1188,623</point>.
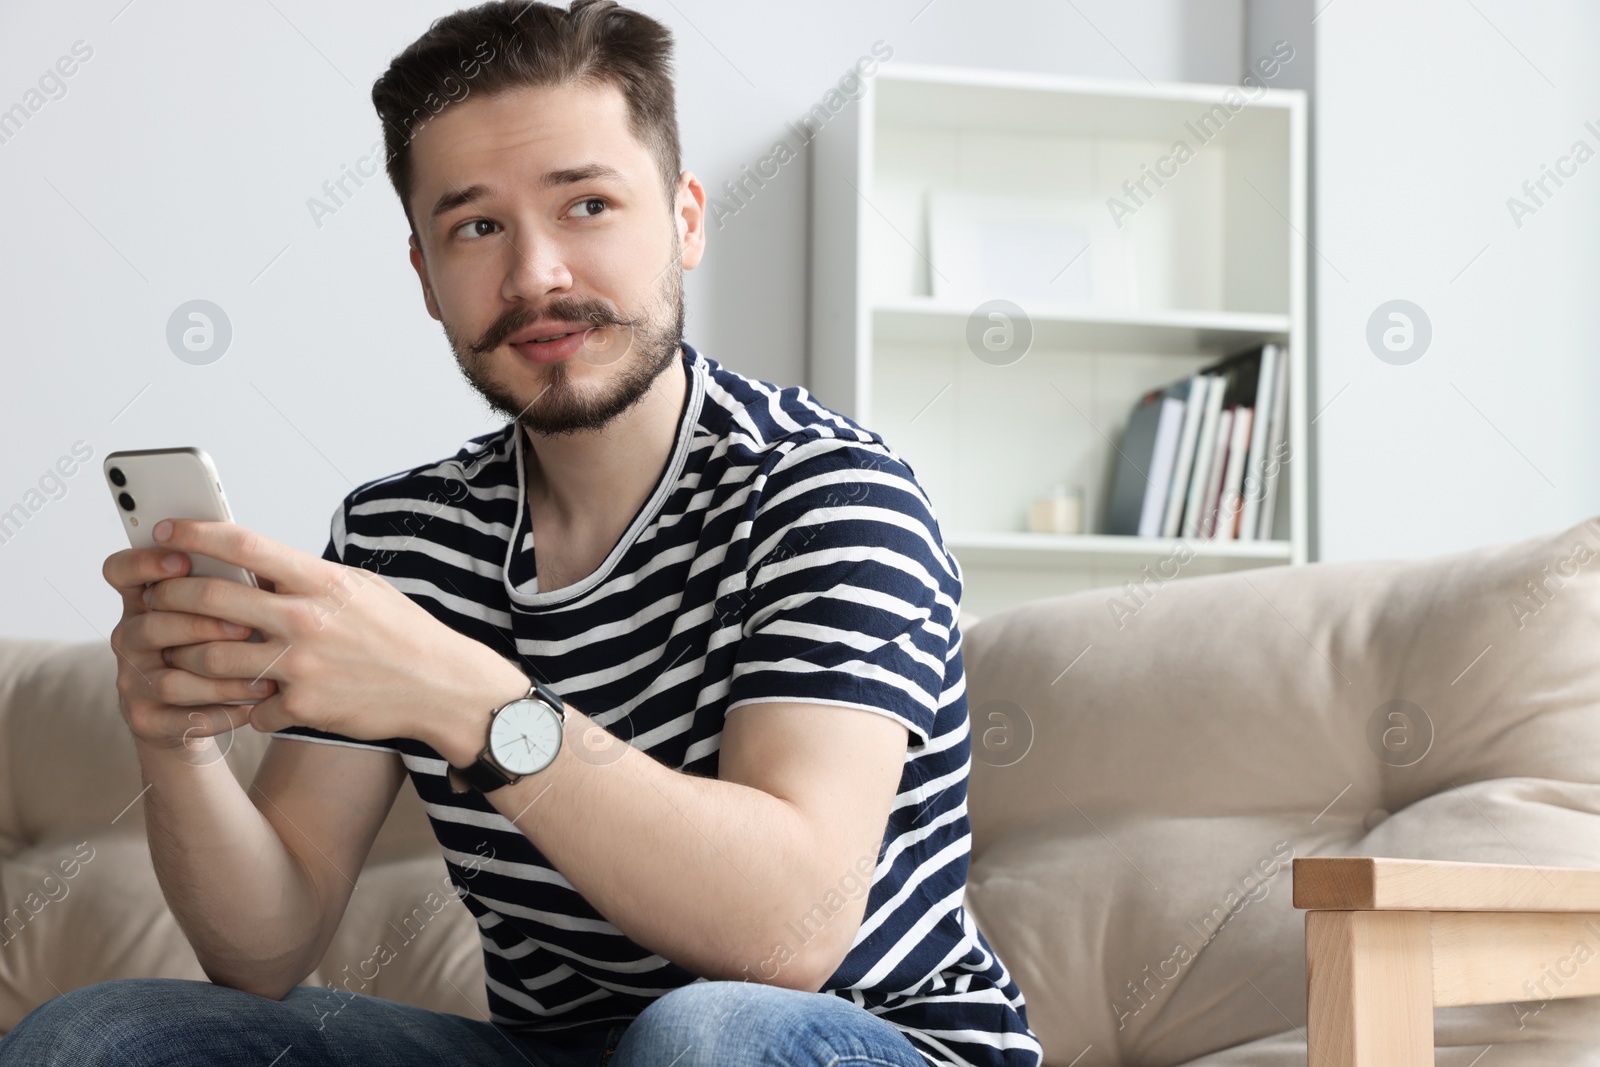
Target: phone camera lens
<point>118,479</point>
<point>126,501</point>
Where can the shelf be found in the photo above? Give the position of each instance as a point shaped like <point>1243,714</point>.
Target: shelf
<point>1037,103</point>
<point>924,320</point>
<point>1092,550</point>
<point>1215,262</point>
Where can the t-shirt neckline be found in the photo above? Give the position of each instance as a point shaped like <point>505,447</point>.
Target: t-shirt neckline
<point>648,512</point>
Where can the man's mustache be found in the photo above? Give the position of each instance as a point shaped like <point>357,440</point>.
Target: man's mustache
<point>516,322</point>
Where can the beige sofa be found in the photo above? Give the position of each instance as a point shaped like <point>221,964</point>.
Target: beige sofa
<point>1146,763</point>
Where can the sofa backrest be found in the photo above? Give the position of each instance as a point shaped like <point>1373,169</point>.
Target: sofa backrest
<point>1147,761</point>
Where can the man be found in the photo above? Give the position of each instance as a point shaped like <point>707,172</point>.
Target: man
<point>671,659</point>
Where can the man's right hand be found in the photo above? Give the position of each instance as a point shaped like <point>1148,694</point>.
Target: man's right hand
<point>166,707</point>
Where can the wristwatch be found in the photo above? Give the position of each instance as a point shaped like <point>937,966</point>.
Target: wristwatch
<point>524,737</point>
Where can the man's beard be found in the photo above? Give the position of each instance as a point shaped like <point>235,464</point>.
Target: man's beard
<point>650,344</point>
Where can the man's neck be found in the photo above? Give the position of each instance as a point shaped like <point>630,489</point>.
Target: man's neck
<point>586,487</point>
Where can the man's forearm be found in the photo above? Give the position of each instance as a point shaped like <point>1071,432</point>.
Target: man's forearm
<point>708,873</point>
<point>718,877</point>
<point>241,898</point>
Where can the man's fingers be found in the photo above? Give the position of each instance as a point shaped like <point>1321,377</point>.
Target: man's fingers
<point>183,689</point>
<point>156,630</point>
<point>131,569</point>
<point>269,715</point>
<point>227,659</point>
<point>209,721</point>
<point>218,598</point>
<point>290,570</point>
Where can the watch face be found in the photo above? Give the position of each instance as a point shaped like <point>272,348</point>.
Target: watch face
<point>525,736</point>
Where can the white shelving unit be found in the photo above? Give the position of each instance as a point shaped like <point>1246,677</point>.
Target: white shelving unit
<point>1218,265</point>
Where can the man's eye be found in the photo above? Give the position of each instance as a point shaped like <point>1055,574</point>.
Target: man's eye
<point>589,203</point>
<point>467,226</point>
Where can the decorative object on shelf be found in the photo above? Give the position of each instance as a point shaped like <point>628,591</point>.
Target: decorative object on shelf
<point>1059,513</point>
<point>1049,251</point>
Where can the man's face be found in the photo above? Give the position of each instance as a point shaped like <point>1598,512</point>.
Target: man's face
<point>538,213</point>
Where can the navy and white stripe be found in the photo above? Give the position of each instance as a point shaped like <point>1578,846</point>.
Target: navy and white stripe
<point>785,554</point>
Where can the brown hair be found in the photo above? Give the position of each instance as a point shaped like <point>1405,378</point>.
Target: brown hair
<point>506,45</point>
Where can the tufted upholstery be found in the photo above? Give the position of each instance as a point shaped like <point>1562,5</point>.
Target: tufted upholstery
<point>1142,774</point>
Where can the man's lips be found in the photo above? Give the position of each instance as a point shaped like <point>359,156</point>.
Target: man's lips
<point>567,339</point>
<point>542,330</point>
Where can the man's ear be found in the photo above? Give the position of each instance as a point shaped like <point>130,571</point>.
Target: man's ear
<point>689,216</point>
<point>421,266</point>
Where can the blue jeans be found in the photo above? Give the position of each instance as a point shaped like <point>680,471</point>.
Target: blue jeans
<point>176,1022</point>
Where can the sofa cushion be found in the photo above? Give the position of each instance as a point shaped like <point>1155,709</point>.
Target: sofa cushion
<point>1564,1032</point>
<point>70,787</point>
<point>1148,759</point>
<point>90,909</point>
<point>79,911</point>
<point>412,941</point>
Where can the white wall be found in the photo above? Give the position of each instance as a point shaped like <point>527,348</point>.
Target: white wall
<point>178,165</point>
<point>1430,114</point>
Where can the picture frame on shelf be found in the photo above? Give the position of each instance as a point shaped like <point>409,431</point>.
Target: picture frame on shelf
<point>1054,251</point>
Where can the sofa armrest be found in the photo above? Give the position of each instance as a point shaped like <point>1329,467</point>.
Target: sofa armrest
<point>1388,940</point>
<point>1377,883</point>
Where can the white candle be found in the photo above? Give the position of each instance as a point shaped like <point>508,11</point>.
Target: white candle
<point>1059,513</point>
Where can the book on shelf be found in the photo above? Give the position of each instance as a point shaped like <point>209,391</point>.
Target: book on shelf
<point>1150,435</point>
<point>1250,513</point>
<point>1228,502</point>
<point>1200,458</point>
<point>1161,466</point>
<point>1205,450</point>
<point>1183,465</point>
<point>1273,459</point>
<point>1219,467</point>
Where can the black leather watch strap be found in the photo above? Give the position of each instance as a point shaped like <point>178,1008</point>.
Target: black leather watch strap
<point>482,775</point>
<point>549,696</point>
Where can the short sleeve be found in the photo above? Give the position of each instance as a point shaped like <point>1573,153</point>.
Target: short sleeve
<point>335,553</point>
<point>851,597</point>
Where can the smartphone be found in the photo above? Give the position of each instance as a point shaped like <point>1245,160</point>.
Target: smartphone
<point>152,484</point>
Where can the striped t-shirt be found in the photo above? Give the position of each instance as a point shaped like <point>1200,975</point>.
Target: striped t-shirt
<point>785,554</point>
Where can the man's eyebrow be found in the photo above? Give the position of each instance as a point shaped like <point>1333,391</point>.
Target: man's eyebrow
<point>587,172</point>
<point>455,197</point>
